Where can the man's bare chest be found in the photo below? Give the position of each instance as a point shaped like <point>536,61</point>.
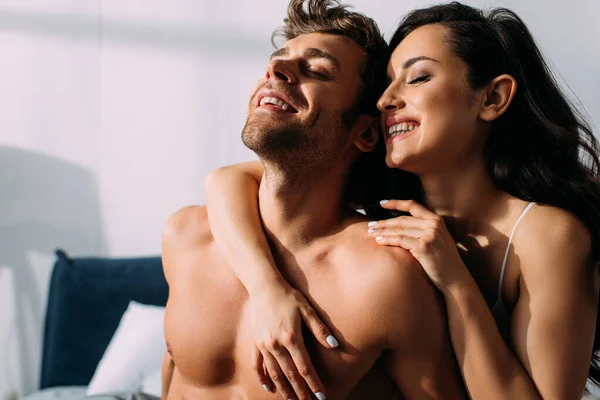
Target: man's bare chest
<point>209,328</point>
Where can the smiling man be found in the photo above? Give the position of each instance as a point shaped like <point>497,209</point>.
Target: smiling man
<point>310,120</point>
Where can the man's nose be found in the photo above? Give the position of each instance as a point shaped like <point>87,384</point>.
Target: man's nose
<point>281,70</point>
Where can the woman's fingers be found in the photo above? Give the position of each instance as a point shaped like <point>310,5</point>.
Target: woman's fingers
<point>277,377</point>
<point>399,231</point>
<point>259,368</point>
<point>404,221</point>
<point>405,242</point>
<point>277,321</point>
<point>415,209</point>
<point>288,376</point>
<point>317,327</point>
<point>305,369</point>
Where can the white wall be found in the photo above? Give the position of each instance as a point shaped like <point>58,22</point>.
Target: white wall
<point>111,113</point>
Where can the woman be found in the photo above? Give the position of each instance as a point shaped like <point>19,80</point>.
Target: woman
<point>508,229</point>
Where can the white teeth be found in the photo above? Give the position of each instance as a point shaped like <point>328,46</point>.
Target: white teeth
<point>401,128</point>
<point>275,101</point>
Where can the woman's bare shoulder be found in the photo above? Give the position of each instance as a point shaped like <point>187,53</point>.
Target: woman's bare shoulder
<point>550,225</point>
<point>551,235</point>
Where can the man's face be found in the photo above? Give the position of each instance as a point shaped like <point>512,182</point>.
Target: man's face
<point>304,106</point>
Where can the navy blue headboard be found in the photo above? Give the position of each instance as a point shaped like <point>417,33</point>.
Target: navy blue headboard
<point>86,300</point>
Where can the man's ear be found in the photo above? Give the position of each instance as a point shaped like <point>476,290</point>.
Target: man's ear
<point>367,133</point>
<point>498,96</point>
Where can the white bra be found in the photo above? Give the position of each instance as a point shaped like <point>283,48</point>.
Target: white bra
<point>499,309</point>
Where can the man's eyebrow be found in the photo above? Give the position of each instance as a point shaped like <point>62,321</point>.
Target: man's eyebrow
<point>283,51</point>
<point>316,53</point>
<point>411,61</point>
<point>310,53</point>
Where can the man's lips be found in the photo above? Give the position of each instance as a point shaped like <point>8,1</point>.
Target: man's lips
<point>275,98</point>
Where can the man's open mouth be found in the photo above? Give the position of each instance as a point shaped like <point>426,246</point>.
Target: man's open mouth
<point>275,101</point>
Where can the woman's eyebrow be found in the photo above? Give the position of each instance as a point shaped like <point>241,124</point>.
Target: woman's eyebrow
<point>411,61</point>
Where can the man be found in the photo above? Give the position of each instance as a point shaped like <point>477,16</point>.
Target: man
<point>309,127</point>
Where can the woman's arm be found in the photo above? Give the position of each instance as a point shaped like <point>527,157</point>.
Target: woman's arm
<point>278,310</point>
<point>553,321</point>
<point>232,201</point>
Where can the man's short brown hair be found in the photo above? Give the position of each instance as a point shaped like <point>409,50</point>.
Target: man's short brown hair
<point>329,16</point>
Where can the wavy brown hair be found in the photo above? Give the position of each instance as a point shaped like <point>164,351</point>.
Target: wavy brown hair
<point>542,149</point>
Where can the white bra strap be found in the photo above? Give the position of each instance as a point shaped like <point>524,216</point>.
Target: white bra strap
<point>508,249</point>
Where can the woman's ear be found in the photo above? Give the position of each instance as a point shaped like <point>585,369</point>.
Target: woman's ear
<point>498,96</point>
<point>368,133</point>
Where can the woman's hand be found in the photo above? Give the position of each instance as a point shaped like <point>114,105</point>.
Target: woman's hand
<point>280,358</point>
<point>425,235</point>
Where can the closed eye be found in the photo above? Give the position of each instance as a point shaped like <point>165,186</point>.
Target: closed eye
<point>419,79</point>
<point>318,74</point>
<point>308,69</point>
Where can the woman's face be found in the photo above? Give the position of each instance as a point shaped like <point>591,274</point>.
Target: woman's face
<point>429,111</point>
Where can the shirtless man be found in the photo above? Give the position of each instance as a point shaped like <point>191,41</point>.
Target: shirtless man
<point>308,126</point>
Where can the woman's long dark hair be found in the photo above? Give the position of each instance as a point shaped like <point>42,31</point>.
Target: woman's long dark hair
<point>541,149</point>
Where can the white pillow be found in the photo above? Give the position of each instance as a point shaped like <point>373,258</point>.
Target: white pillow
<point>153,384</point>
<point>134,353</point>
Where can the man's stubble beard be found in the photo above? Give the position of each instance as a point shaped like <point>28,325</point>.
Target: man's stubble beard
<point>298,151</point>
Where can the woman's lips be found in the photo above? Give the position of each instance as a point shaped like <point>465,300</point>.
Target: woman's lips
<point>400,136</point>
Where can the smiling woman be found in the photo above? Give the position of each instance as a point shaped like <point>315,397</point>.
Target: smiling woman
<point>481,91</point>
<point>509,179</point>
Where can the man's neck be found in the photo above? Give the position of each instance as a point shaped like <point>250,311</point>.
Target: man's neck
<point>296,209</point>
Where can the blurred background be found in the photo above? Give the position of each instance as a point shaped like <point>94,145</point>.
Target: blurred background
<point>112,112</point>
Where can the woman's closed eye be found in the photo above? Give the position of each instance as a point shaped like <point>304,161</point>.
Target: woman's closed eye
<point>419,79</point>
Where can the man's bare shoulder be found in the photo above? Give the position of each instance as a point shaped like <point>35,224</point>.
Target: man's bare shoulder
<point>390,278</point>
<point>188,226</point>
<point>361,251</point>
<point>186,237</point>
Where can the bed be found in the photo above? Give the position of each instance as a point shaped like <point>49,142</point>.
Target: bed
<point>103,328</point>
<point>103,336</point>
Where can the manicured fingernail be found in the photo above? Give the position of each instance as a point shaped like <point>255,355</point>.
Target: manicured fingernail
<point>331,341</point>
<point>320,396</point>
<point>266,388</point>
<point>383,201</point>
<point>372,223</point>
<point>372,230</point>
<point>379,238</point>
